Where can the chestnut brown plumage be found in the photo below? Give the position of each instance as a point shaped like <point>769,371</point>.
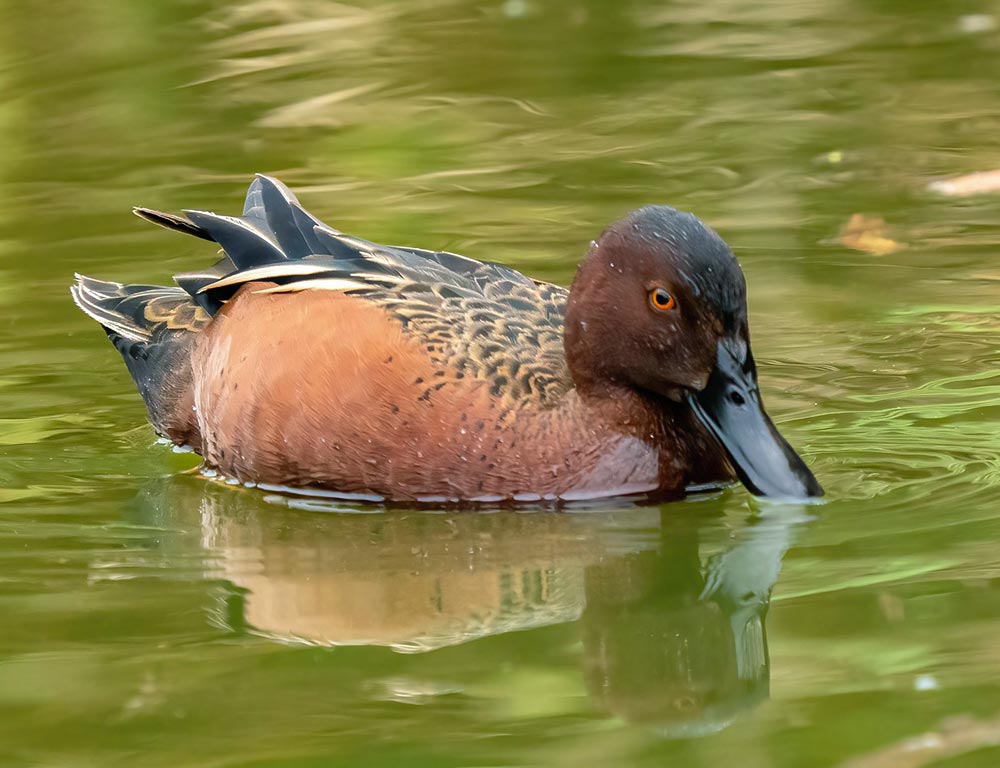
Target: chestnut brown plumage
<point>309,358</point>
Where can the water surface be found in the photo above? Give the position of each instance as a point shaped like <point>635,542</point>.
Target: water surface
<point>152,616</point>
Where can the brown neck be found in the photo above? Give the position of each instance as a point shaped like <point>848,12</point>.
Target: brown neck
<point>686,448</point>
<point>588,324</point>
<point>629,410</point>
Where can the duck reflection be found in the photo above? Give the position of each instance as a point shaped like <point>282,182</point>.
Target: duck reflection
<point>674,644</point>
<point>670,607</point>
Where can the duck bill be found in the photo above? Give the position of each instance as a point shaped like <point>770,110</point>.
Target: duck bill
<point>730,408</point>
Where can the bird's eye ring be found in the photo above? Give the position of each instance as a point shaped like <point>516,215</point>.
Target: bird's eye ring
<point>661,300</point>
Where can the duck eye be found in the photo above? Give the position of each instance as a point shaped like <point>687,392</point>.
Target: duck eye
<point>661,300</point>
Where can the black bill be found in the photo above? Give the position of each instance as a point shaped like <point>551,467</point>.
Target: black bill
<point>731,409</point>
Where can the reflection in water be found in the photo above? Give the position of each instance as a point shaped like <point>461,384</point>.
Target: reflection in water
<point>669,640</point>
<point>676,644</point>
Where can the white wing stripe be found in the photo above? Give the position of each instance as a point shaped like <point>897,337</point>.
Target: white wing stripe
<point>269,272</point>
<point>327,284</point>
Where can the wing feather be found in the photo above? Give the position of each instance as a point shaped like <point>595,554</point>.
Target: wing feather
<point>477,318</point>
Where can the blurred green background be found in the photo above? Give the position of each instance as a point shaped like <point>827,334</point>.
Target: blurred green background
<point>152,617</point>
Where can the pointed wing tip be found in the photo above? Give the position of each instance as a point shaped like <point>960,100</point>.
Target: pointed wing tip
<point>268,179</point>
<point>270,183</point>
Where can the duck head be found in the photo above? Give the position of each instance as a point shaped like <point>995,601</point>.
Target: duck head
<point>659,305</point>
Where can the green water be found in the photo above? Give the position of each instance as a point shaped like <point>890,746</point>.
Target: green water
<point>150,617</point>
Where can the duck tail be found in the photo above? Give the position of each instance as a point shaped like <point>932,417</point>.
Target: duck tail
<point>153,328</point>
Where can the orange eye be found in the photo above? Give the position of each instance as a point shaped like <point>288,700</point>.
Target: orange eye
<point>661,300</point>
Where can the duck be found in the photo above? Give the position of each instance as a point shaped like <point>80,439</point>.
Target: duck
<point>309,359</point>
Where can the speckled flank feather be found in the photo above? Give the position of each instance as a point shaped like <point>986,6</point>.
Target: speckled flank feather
<point>477,319</point>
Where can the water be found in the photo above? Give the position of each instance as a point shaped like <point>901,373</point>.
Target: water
<point>152,616</point>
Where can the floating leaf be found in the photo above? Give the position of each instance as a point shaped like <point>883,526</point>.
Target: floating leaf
<point>868,234</point>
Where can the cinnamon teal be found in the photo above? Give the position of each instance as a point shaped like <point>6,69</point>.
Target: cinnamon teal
<point>312,359</point>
